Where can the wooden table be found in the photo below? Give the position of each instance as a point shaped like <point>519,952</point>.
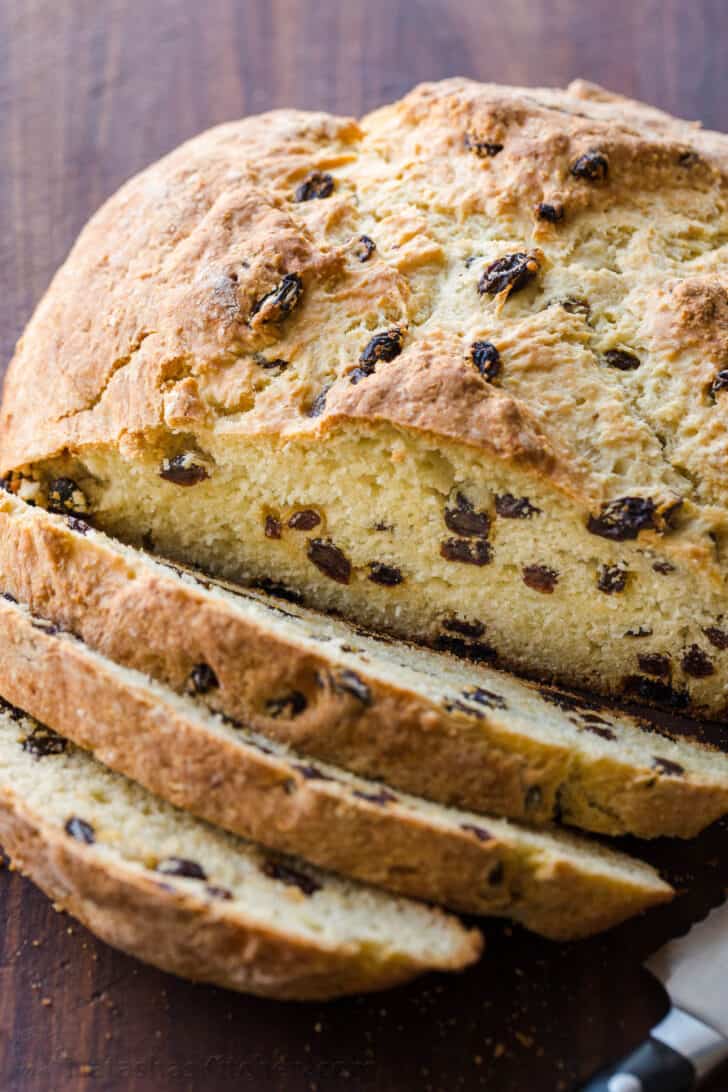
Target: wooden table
<point>90,91</point>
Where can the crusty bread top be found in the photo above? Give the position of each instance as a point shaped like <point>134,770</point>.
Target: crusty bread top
<point>230,289</point>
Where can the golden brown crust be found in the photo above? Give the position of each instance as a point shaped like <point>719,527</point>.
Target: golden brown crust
<point>436,749</point>
<point>211,229</point>
<point>182,933</point>
<point>359,830</point>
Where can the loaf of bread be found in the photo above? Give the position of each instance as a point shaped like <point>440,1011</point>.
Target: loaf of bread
<point>455,369</point>
<point>458,733</point>
<point>554,883</point>
<point>180,894</point>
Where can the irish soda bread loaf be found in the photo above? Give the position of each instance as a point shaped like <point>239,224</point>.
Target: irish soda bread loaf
<point>175,892</point>
<point>458,733</point>
<point>556,884</point>
<point>460,367</point>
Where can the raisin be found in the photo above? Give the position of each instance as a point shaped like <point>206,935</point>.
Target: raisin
<point>551,213</point>
<point>623,518</point>
<point>80,830</point>
<point>288,705</point>
<point>717,637</point>
<point>482,148</point>
<point>304,520</point>
<point>183,470</point>
<point>611,579</point>
<point>319,403</point>
<point>180,866</point>
<point>350,683</point>
<point>485,697</point>
<point>44,741</point>
<point>510,507</point>
<point>458,706</point>
<point>382,796</point>
<point>593,166</point>
<point>280,301</point>
<point>654,663</point>
<point>80,526</point>
<point>464,520</point>
<point>720,383</point>
<point>663,567</point>
<point>667,766</point>
<point>45,626</point>
<point>203,679</point>
<point>315,186</point>
<point>272,527</point>
<point>621,359</point>
<point>465,629</point>
<point>511,273</point>
<point>217,892</point>
<point>540,577</point>
<point>309,772</point>
<point>276,870</point>
<point>385,346</point>
<point>278,365</point>
<point>576,305</point>
<point>696,663</point>
<point>477,651</point>
<point>486,359</point>
<point>480,833</point>
<point>364,248</point>
<point>599,730</point>
<point>468,551</point>
<point>65,497</point>
<point>388,575</point>
<point>332,561</point>
<point>652,690</point>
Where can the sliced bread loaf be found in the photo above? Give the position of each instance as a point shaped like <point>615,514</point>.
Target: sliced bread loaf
<point>554,883</point>
<point>180,894</point>
<point>454,732</point>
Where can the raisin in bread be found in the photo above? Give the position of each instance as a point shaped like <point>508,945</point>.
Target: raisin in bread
<point>186,897</point>
<point>554,883</point>
<point>457,365</point>
<point>454,732</point>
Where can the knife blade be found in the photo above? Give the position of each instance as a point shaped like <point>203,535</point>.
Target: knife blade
<point>692,1040</point>
<point>694,970</point>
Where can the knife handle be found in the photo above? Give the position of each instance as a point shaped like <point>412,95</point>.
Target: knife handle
<point>678,1054</point>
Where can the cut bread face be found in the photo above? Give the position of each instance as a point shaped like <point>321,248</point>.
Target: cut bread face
<point>175,892</point>
<point>554,883</point>
<point>461,361</point>
<point>426,723</point>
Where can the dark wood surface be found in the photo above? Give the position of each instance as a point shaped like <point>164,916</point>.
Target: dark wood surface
<point>90,91</point>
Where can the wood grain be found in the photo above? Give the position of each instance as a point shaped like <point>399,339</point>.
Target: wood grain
<point>90,92</point>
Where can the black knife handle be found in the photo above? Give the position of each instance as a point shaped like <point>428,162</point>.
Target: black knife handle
<point>654,1067</point>
<point>679,1053</point>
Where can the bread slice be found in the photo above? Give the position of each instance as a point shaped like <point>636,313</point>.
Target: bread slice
<point>190,899</point>
<point>464,360</point>
<point>454,732</point>
<point>554,883</point>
